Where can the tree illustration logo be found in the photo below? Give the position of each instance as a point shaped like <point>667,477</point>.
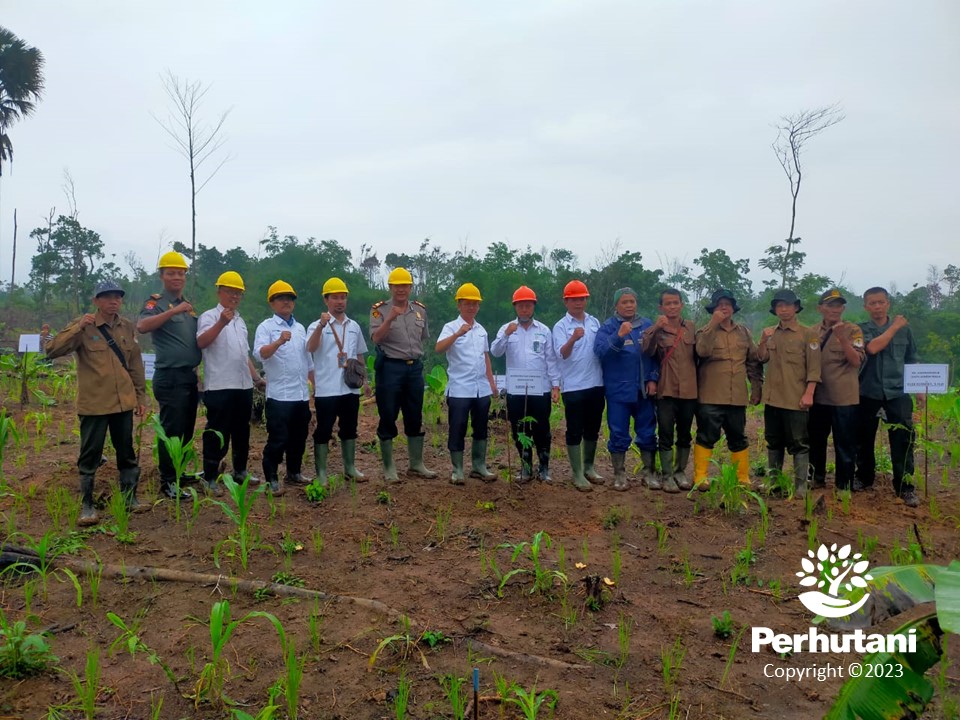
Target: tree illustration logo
<point>830,568</point>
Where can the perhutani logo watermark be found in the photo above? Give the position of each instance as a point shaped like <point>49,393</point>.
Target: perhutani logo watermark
<point>832,568</point>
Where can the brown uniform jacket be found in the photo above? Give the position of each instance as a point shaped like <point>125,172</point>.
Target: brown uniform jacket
<point>103,386</point>
<point>407,332</point>
<point>792,357</point>
<point>727,359</point>
<point>839,380</point>
<point>678,375</point>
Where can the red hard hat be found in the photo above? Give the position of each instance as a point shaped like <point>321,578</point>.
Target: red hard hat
<point>524,293</point>
<point>575,289</point>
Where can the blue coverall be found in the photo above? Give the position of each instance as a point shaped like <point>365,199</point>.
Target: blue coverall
<point>626,371</point>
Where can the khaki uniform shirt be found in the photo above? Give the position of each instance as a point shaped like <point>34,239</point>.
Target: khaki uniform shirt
<point>727,359</point>
<point>104,387</point>
<point>839,380</point>
<point>792,356</point>
<point>678,375</point>
<point>407,332</point>
<point>176,340</point>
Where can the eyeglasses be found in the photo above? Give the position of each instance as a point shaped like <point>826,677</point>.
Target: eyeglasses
<point>231,292</point>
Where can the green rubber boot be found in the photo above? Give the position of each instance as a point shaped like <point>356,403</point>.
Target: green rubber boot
<point>350,460</point>
<point>589,455</point>
<point>456,459</point>
<point>478,461</point>
<point>576,465</point>
<point>320,452</point>
<point>415,450</point>
<point>667,480</point>
<point>649,472</point>
<point>619,461</point>
<point>389,469</point>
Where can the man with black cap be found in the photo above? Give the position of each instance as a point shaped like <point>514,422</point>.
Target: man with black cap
<point>728,358</point>
<point>792,355</point>
<point>838,393</point>
<point>110,387</point>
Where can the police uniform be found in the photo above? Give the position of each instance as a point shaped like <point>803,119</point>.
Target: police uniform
<point>175,374</point>
<point>399,369</point>
<point>835,403</point>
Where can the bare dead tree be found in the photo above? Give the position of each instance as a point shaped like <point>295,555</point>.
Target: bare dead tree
<point>196,140</point>
<point>793,133</point>
<point>70,190</point>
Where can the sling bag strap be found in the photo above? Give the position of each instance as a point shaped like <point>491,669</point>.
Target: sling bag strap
<point>826,339</point>
<point>666,358</point>
<point>113,346</point>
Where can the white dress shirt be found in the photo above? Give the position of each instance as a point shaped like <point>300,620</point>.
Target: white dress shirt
<point>287,368</point>
<point>327,371</point>
<point>530,347</point>
<point>226,364</point>
<point>466,361</point>
<point>580,371</point>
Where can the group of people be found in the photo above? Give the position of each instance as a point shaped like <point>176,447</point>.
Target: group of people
<point>833,377</point>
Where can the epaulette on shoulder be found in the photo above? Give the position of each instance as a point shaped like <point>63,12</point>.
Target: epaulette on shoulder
<point>156,296</point>
<point>378,304</point>
<point>417,302</point>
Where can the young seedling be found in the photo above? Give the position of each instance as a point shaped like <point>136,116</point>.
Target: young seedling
<point>182,455</point>
<point>723,626</point>
<point>22,654</point>
<point>531,702</point>
<point>662,534</point>
<point>121,519</point>
<point>457,694</point>
<point>129,637</point>
<point>402,698</point>
<point>243,537</point>
<point>671,660</point>
<point>442,521</point>
<point>405,640</point>
<point>543,579</point>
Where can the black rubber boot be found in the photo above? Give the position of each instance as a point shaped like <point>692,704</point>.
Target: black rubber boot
<point>88,511</point>
<point>129,479</point>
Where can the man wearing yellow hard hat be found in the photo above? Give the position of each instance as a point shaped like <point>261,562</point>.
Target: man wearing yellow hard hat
<point>281,345</point>
<point>398,327</point>
<point>172,323</point>
<point>228,379</point>
<point>337,346</point>
<point>470,384</point>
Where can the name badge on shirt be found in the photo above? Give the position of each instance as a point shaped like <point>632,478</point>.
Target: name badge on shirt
<point>537,346</point>
<point>341,360</point>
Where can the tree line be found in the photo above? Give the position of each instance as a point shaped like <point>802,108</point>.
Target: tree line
<point>69,260</point>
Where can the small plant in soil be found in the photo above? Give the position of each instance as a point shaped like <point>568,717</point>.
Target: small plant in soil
<point>486,505</point>
<point>614,516</point>
<point>624,632</point>
<point>317,542</point>
<point>457,694</point>
<point>129,638</point>
<point>314,624</point>
<point>543,579</point>
<point>22,654</point>
<point>727,493</point>
<point>394,536</point>
<point>867,543</point>
<point>531,701</point>
<point>434,638</point>
<point>243,537</point>
<point>723,626</point>
<point>121,519</point>
<point>316,492</point>
<point>441,522</point>
<point>366,547</point>
<point>182,455</point>
<point>812,530</point>
<point>402,698</point>
<point>662,534</point>
<point>404,639</point>
<point>744,559</point>
<point>46,551</point>
<point>910,555</point>
<point>671,660</point>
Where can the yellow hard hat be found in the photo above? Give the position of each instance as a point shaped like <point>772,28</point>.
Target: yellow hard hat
<point>468,291</point>
<point>172,259</point>
<point>280,287</point>
<point>334,285</point>
<point>231,279</point>
<point>400,276</point>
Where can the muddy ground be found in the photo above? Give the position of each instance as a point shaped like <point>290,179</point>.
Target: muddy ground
<point>440,578</point>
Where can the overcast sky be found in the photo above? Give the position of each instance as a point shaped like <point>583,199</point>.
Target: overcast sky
<point>557,124</point>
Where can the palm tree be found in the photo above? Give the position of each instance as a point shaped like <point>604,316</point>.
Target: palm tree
<point>21,84</point>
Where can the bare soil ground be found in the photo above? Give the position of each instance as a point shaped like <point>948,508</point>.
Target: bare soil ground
<point>436,577</point>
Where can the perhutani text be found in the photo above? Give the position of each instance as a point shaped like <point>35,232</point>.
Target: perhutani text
<point>815,641</point>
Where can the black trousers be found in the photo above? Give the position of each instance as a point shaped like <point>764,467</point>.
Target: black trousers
<point>786,430</point>
<point>584,413</point>
<point>93,433</point>
<point>228,413</point>
<point>344,409</point>
<point>288,422</point>
<point>458,409</point>
<point>176,392</point>
<point>536,407</point>
<point>674,413</point>
<point>899,412</point>
<point>399,390</point>
<point>731,419</point>
<point>842,421</point>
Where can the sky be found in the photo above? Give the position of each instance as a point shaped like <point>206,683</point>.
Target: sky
<point>554,124</point>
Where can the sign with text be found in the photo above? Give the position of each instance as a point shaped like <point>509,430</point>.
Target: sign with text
<point>926,378</point>
<point>149,361</point>
<point>525,382</point>
<point>29,343</point>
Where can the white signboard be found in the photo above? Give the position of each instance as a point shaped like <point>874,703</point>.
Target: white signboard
<point>525,382</point>
<point>926,378</point>
<point>149,361</point>
<point>29,343</point>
